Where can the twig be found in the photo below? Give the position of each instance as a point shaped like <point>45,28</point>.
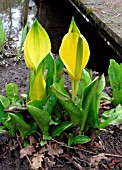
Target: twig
<point>105,148</point>
<point>80,160</point>
<point>77,165</point>
<point>75,148</point>
<point>112,155</point>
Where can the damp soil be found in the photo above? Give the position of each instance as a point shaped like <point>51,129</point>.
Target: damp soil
<point>104,153</point>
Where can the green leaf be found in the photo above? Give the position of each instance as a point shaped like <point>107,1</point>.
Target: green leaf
<point>86,102</point>
<point>2,36</point>
<point>81,139</point>
<point>36,103</point>
<point>86,79</point>
<point>73,109</point>
<point>57,110</point>
<point>41,117</point>
<point>12,91</point>
<point>59,68</point>
<point>9,126</point>
<point>112,116</point>
<point>5,101</point>
<point>51,71</point>
<point>92,118</point>
<point>21,125</point>
<point>60,128</point>
<point>3,116</point>
<point>115,76</point>
<point>117,96</point>
<point>50,102</point>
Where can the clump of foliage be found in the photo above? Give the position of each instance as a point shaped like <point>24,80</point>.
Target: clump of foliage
<point>48,106</point>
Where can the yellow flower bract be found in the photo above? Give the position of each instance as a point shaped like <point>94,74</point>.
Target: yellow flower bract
<point>36,46</point>
<point>74,52</point>
<point>68,52</point>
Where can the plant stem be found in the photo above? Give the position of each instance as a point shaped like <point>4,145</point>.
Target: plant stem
<point>73,90</point>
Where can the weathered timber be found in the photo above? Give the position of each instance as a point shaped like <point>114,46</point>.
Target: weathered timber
<point>106,16</point>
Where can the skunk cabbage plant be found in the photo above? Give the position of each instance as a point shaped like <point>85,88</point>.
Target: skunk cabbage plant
<point>36,47</point>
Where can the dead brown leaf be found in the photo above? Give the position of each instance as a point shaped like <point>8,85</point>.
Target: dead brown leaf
<point>54,150</point>
<point>33,140</point>
<point>49,163</point>
<point>37,161</point>
<point>94,160</point>
<point>28,150</point>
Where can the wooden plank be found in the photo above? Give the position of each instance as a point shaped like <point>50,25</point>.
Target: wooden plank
<point>106,15</point>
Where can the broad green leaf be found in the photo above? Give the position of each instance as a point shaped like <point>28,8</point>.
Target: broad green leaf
<point>80,139</point>
<point>24,128</point>
<point>86,79</point>
<point>117,96</point>
<point>115,76</point>
<point>41,117</point>
<point>73,109</point>
<point>59,68</point>
<point>51,71</point>
<point>36,103</point>
<point>50,102</point>
<point>112,116</point>
<point>12,91</point>
<point>60,128</point>
<point>9,126</point>
<point>5,101</point>
<point>3,116</point>
<point>57,111</point>
<point>86,102</point>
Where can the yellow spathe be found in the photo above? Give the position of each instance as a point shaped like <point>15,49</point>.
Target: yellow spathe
<point>36,46</point>
<point>38,88</point>
<point>68,53</point>
<point>74,52</point>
